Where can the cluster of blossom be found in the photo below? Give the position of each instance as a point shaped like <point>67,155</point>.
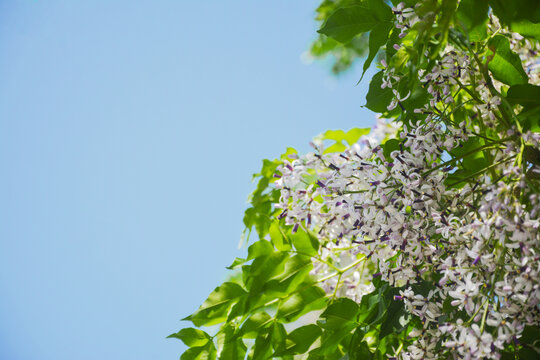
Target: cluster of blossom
<point>478,245</point>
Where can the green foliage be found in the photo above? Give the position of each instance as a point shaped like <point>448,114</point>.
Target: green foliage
<point>272,307</point>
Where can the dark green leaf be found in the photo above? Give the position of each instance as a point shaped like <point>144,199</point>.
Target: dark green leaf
<point>396,320</point>
<point>525,95</point>
<point>388,147</point>
<point>377,38</point>
<point>378,99</point>
<point>473,16</point>
<point>505,65</point>
<point>531,335</point>
<point>380,10</point>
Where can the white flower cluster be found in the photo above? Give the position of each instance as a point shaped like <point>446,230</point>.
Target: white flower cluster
<point>391,215</point>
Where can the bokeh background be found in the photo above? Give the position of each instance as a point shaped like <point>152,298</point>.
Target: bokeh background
<point>129,131</point>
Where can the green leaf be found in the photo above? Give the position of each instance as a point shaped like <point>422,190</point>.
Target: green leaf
<point>505,65</point>
<point>351,137</point>
<point>278,238</point>
<point>296,270</point>
<point>531,335</point>
<point>525,95</point>
<point>527,28</point>
<point>380,10</point>
<point>237,262</point>
<point>341,313</point>
<point>396,320</point>
<point>305,242</point>
<point>523,16</point>
<point>191,337</point>
<point>347,22</point>
<point>516,10</point>
<point>262,349</point>
<point>279,334</point>
<point>302,302</point>
<point>206,352</point>
<point>390,146</point>
<point>254,323</point>
<point>360,350</point>
<point>301,339</point>
<point>378,99</point>
<point>473,16</point>
<point>230,344</point>
<point>260,248</point>
<point>354,134</point>
<point>377,38</point>
<point>214,309</point>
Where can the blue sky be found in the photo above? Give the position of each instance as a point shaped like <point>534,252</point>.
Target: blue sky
<point>129,131</point>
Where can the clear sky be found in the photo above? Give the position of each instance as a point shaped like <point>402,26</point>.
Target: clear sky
<point>129,131</point>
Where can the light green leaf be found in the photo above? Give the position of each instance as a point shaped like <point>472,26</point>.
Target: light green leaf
<point>237,262</point>
<point>206,352</point>
<point>305,242</point>
<point>352,136</point>
<point>260,248</point>
<point>527,28</point>
<point>254,323</point>
<point>191,337</point>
